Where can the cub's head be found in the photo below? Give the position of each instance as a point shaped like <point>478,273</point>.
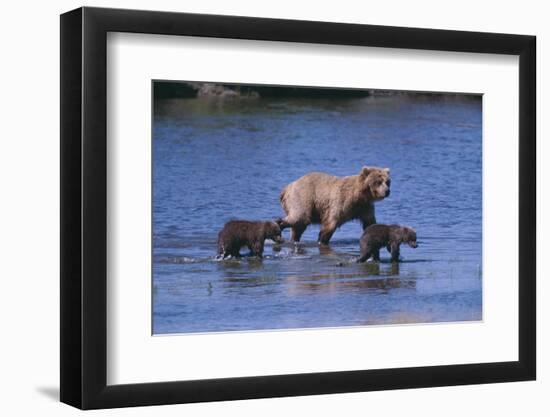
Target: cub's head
<point>375,182</point>
<point>409,236</point>
<point>273,231</point>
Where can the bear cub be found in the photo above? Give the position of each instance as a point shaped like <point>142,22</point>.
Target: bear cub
<point>238,233</point>
<point>390,236</point>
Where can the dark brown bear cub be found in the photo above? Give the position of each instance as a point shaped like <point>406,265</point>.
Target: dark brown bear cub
<point>382,235</point>
<point>238,233</point>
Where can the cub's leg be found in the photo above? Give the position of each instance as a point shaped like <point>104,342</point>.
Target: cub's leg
<point>367,251</point>
<point>233,250</point>
<point>364,249</point>
<point>395,252</point>
<point>364,257</point>
<point>221,250</point>
<point>226,250</point>
<point>257,248</point>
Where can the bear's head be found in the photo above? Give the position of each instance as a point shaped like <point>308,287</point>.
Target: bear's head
<point>409,236</point>
<point>273,231</point>
<point>375,182</point>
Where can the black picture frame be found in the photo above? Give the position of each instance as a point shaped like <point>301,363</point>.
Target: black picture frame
<point>84,207</point>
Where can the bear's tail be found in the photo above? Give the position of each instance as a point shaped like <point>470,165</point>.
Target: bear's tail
<point>282,199</point>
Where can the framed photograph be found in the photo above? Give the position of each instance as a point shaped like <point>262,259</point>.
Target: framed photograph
<point>257,208</point>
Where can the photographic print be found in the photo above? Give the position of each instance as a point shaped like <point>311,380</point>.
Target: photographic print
<point>291,207</point>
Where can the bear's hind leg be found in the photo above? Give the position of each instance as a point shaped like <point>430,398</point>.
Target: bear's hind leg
<point>364,257</point>
<point>368,252</point>
<point>224,250</point>
<point>233,254</point>
<point>297,230</point>
<point>232,250</point>
<point>326,232</point>
<point>229,254</point>
<point>298,226</point>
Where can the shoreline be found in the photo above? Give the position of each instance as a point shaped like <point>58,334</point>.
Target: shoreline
<point>177,89</point>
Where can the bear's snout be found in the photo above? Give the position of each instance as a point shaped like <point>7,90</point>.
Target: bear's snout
<point>277,239</point>
<point>387,192</point>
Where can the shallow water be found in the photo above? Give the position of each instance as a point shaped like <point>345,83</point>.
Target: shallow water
<point>216,160</point>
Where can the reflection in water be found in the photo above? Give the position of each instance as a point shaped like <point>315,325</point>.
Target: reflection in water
<point>216,160</point>
<point>326,250</point>
<point>337,285</point>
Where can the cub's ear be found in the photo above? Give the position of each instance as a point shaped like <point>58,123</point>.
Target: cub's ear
<point>365,171</point>
<point>407,231</point>
<point>273,225</point>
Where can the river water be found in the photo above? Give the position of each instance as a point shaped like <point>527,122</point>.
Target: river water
<point>221,159</point>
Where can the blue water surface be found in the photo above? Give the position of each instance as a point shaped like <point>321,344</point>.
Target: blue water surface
<point>221,159</point>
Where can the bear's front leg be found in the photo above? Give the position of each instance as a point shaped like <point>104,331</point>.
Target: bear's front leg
<point>368,218</point>
<point>395,252</point>
<point>257,248</point>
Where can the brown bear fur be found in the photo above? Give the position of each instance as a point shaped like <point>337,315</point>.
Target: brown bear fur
<point>333,201</point>
<point>238,233</point>
<point>382,235</point>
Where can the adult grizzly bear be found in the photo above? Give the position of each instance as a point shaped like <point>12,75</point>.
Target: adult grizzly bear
<point>252,234</point>
<point>332,201</point>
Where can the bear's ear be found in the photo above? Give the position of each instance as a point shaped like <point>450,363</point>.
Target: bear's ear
<point>271,227</point>
<point>365,171</point>
<point>408,231</point>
